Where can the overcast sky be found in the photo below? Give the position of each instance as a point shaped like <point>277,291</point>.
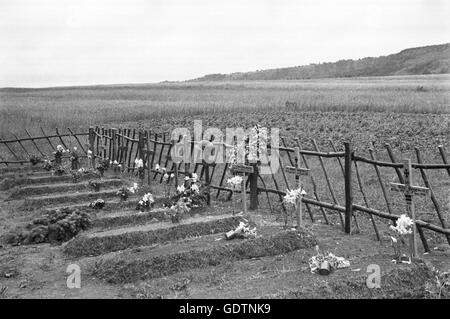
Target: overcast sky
<point>76,42</point>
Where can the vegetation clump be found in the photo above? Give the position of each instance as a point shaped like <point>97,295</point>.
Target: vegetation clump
<point>56,226</point>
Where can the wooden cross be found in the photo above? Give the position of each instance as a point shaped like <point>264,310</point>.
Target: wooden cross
<point>298,171</point>
<point>243,169</point>
<point>409,191</point>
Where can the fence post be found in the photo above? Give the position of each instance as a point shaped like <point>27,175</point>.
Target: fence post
<point>113,143</point>
<point>254,187</point>
<point>92,146</point>
<point>348,187</point>
<point>140,152</point>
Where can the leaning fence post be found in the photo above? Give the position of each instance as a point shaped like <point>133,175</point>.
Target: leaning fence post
<point>91,146</point>
<point>254,186</point>
<point>348,187</point>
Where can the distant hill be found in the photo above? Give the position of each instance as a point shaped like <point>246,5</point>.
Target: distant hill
<point>433,59</point>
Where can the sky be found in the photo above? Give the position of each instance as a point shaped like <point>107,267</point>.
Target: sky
<point>78,42</point>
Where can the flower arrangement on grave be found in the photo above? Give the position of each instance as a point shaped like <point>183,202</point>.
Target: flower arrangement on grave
<point>146,202</point>
<point>181,207</point>
<point>77,174</point>
<point>125,192</point>
<point>243,231</point>
<point>97,204</point>
<point>59,170</point>
<point>235,183</point>
<point>292,196</point>
<point>115,165</point>
<point>400,231</point>
<point>58,153</point>
<point>35,160</point>
<point>94,185</point>
<point>167,178</point>
<point>48,165</point>
<point>103,166</point>
<point>139,164</point>
<point>189,195</point>
<point>323,263</point>
<point>74,158</point>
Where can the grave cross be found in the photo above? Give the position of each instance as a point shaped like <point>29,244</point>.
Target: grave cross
<point>243,169</point>
<point>298,171</point>
<point>409,191</point>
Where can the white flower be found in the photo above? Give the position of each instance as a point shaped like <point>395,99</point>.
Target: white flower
<point>75,148</point>
<point>194,177</point>
<point>165,176</point>
<point>139,163</point>
<point>133,188</point>
<point>235,181</point>
<point>60,148</point>
<point>186,178</point>
<point>115,162</point>
<point>181,189</point>
<point>195,188</point>
<point>404,225</point>
<point>292,195</point>
<point>157,167</point>
<point>141,202</point>
<point>89,154</point>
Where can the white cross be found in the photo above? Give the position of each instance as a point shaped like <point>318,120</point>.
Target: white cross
<point>409,191</point>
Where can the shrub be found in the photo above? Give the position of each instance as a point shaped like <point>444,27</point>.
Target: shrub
<point>55,227</point>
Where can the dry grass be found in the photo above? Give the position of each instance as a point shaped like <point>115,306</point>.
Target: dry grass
<point>83,106</point>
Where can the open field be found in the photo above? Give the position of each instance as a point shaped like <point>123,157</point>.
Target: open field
<point>98,105</point>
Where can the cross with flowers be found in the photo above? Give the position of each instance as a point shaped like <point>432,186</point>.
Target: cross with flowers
<point>241,169</point>
<point>297,194</point>
<point>409,191</point>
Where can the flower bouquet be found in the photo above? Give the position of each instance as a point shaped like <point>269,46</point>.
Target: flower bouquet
<point>145,203</point>
<point>243,231</point>
<point>235,183</point>
<point>402,229</point>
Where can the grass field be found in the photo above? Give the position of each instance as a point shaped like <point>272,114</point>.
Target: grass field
<point>97,105</point>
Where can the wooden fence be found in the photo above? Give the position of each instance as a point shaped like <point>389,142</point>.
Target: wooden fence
<point>342,190</point>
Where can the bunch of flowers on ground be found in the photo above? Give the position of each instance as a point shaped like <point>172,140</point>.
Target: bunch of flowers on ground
<point>146,202</point>
<point>403,227</point>
<point>335,262</point>
<point>125,192</point>
<point>242,231</point>
<point>97,204</point>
